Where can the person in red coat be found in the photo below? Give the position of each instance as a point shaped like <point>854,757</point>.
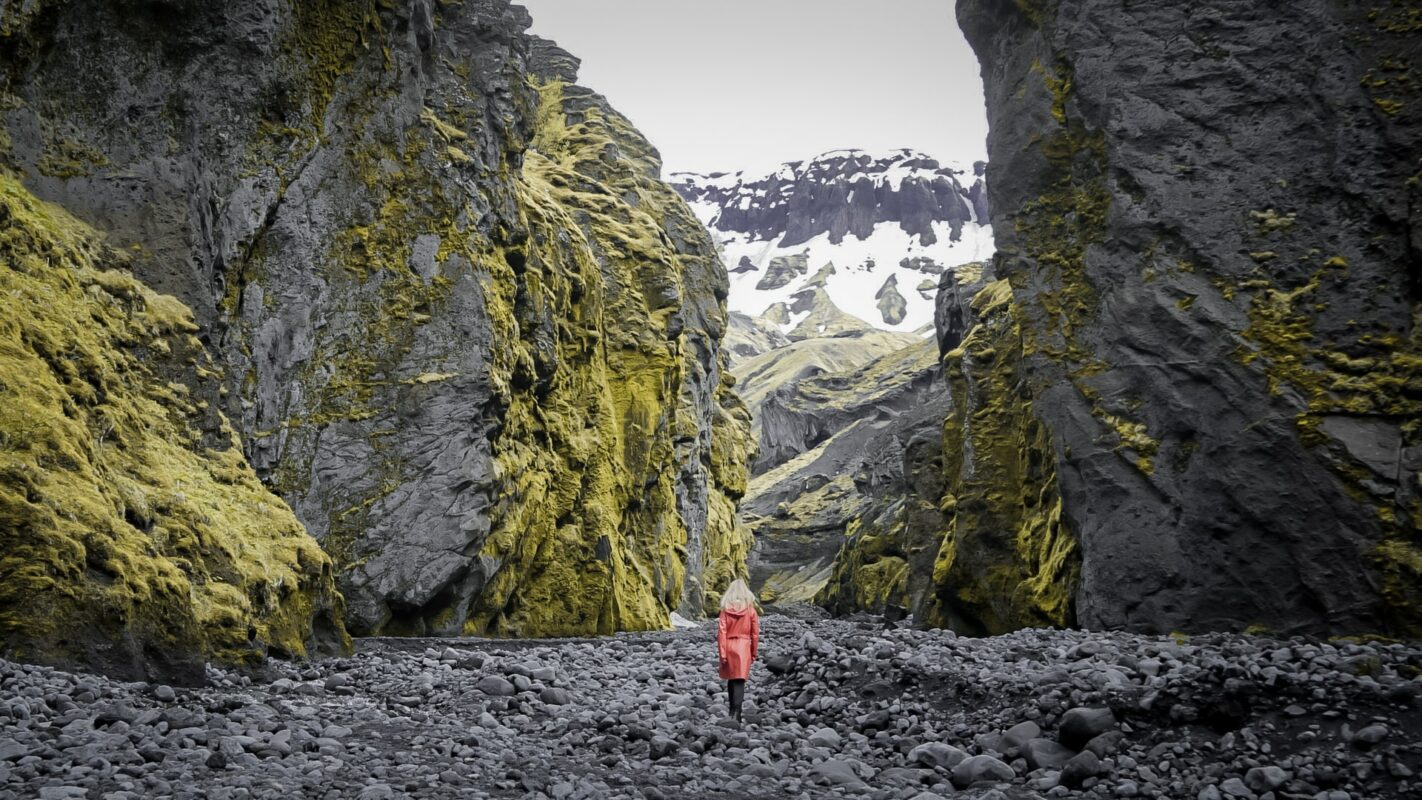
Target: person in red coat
<point>738,641</point>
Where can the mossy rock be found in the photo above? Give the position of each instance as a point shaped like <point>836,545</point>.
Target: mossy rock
<point>138,541</point>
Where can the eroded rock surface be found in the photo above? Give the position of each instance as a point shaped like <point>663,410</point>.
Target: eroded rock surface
<point>1212,250</point>
<point>832,451</point>
<point>134,537</point>
<point>1192,398</point>
<point>460,324</point>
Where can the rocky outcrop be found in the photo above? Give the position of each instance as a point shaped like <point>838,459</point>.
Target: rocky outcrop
<point>892,306</point>
<point>782,271</point>
<point>877,217</point>
<point>842,193</point>
<point>1005,559</point>
<point>748,337</point>
<point>1212,397</point>
<point>459,323</point>
<point>137,540</point>
<point>894,539</point>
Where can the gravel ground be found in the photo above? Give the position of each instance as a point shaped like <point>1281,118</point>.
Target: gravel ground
<point>835,708</point>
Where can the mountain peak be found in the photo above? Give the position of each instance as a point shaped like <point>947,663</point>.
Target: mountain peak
<point>855,223</point>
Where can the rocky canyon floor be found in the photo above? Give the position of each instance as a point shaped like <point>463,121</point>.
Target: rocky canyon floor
<point>835,708</point>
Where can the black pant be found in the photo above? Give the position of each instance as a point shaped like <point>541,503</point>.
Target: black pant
<point>737,691</point>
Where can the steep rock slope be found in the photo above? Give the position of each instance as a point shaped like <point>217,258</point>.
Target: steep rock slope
<point>1216,387</point>
<point>136,539</point>
<point>760,376</point>
<point>462,327</point>
<point>867,228</point>
<point>832,451</point>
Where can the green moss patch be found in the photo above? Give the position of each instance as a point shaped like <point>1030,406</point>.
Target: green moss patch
<point>137,537</point>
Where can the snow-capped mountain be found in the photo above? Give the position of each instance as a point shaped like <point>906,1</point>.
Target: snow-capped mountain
<point>870,232</point>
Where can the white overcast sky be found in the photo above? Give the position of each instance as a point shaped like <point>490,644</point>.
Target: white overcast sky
<point>723,85</point>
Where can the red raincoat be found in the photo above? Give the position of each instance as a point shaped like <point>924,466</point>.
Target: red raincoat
<point>738,641</point>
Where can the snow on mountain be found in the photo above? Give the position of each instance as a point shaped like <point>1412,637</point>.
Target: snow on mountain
<point>872,230</point>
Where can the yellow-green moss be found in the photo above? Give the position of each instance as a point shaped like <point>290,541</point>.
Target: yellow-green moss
<point>66,158</point>
<point>871,571</point>
<point>1374,375</point>
<point>1007,559</point>
<point>323,38</point>
<point>134,520</point>
<point>587,531</point>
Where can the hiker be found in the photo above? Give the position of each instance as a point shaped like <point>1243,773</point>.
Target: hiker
<point>738,641</point>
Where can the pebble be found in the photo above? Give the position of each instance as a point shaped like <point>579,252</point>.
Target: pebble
<point>840,708</point>
<point>1234,787</point>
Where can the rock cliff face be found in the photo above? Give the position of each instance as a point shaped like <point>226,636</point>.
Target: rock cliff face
<point>460,324</point>
<point>137,540</point>
<point>843,193</point>
<point>1194,399</point>
<point>832,452</point>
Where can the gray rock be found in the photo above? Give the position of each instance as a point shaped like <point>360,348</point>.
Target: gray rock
<point>827,738</point>
<point>336,732</point>
<point>1079,769</point>
<point>1235,201</point>
<point>1265,779</point>
<point>937,754</point>
<point>1371,735</point>
<point>663,746</point>
<point>1106,744</point>
<point>495,686</point>
<point>1018,735</point>
<point>351,319</point>
<point>1080,725</point>
<point>1234,787</point>
<point>838,773</point>
<point>1046,754</point>
<point>981,768</point>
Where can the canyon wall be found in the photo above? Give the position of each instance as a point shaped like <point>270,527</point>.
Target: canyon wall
<point>456,319</point>
<point>1193,397</point>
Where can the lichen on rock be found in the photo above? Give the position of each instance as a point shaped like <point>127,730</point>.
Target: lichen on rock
<point>138,541</point>
<point>460,324</point>
<point>1219,328</point>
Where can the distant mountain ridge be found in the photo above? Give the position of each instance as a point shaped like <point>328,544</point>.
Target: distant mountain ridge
<point>872,230</point>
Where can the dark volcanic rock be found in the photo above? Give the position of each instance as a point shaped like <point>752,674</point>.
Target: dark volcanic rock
<point>1205,365</point>
<point>1080,725</point>
<point>403,235</point>
<point>842,193</point>
<point>782,271</point>
<point>645,717</point>
<point>837,448</point>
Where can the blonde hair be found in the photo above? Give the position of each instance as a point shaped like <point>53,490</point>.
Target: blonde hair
<point>738,595</point>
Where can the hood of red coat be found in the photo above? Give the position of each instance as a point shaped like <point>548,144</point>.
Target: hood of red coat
<point>738,612</point>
